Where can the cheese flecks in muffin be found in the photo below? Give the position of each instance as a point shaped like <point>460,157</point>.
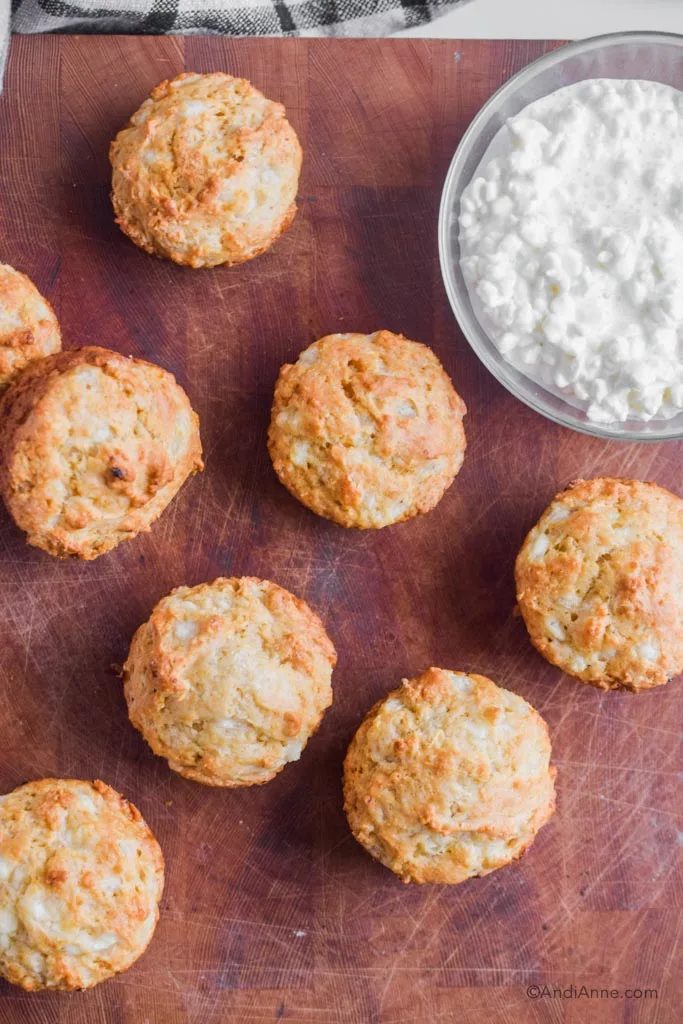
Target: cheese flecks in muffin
<point>600,583</point>
<point>93,447</point>
<point>28,326</point>
<point>366,429</point>
<point>228,680</point>
<point>448,778</point>
<point>81,876</point>
<point>206,172</point>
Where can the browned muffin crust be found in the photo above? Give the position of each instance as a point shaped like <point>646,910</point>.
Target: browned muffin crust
<point>81,876</point>
<point>206,171</point>
<point>228,680</point>
<point>93,447</point>
<point>28,326</point>
<point>600,583</point>
<point>448,778</point>
<point>366,430</point>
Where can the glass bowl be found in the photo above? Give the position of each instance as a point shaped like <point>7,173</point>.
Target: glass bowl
<point>646,55</point>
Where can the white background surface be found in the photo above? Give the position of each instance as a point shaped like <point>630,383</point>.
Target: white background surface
<point>553,19</point>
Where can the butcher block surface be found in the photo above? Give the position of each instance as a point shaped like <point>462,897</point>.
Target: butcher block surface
<point>272,912</point>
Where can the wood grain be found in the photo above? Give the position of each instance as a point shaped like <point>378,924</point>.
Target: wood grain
<point>271,911</point>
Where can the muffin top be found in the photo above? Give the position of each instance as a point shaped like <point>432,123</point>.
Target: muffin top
<point>206,171</point>
<point>28,326</point>
<point>448,777</point>
<point>600,583</point>
<point>81,876</point>
<point>227,680</point>
<point>93,447</point>
<point>366,429</point>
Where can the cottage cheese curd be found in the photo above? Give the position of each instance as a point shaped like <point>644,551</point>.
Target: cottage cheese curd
<point>571,241</point>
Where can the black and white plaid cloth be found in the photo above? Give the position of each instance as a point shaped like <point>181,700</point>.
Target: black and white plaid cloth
<point>225,17</point>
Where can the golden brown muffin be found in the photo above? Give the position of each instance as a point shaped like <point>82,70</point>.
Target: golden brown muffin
<point>600,583</point>
<point>366,429</point>
<point>81,876</point>
<point>448,778</point>
<point>228,680</point>
<point>28,326</point>
<point>206,171</point>
<point>93,447</point>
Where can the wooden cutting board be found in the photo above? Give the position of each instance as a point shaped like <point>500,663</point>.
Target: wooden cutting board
<point>271,910</point>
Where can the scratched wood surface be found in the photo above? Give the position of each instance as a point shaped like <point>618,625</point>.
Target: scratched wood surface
<point>271,910</point>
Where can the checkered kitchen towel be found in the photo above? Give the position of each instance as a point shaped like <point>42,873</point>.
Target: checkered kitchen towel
<point>225,17</point>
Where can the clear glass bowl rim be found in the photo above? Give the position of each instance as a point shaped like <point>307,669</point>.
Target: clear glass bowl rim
<point>469,325</point>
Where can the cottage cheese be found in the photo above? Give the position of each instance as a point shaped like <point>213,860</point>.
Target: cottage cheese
<point>571,241</point>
